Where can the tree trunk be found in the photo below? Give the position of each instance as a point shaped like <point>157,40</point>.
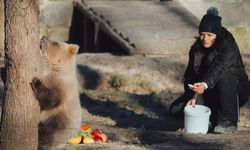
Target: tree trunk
<point>20,108</point>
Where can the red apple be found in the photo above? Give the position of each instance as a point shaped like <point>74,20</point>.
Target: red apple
<point>96,132</point>
<point>98,138</point>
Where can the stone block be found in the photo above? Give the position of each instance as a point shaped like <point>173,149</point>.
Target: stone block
<point>55,13</point>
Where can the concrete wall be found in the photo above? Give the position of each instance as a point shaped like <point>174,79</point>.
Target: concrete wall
<point>234,13</point>
<point>55,16</point>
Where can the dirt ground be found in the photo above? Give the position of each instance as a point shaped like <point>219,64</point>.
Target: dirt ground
<point>134,111</point>
<point>127,97</point>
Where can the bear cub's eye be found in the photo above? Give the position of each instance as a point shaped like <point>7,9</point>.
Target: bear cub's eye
<point>55,44</point>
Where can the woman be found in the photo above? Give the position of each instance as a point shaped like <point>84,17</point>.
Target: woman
<point>215,74</point>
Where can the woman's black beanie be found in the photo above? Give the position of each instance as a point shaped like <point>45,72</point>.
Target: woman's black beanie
<point>211,22</point>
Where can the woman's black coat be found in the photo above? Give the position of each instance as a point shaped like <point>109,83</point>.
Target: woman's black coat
<point>207,65</point>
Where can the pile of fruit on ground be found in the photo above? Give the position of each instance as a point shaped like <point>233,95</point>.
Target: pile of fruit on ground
<point>87,134</point>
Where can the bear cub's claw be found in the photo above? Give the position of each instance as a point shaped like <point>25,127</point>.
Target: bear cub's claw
<point>35,84</point>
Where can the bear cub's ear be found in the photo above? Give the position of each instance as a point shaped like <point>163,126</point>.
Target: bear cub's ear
<point>73,49</point>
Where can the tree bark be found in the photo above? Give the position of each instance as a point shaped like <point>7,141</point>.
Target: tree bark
<point>19,124</point>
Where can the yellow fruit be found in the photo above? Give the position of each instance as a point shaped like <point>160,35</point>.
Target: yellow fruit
<point>104,137</point>
<point>87,140</point>
<point>76,140</point>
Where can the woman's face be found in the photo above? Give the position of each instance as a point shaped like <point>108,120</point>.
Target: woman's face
<point>207,39</point>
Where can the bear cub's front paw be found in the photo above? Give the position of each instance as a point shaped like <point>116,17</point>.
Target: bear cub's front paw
<point>36,85</point>
<point>36,82</point>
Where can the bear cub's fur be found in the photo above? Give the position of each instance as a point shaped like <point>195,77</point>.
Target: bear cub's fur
<point>58,95</point>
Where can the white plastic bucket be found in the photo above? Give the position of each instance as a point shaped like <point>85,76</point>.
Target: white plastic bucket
<point>196,119</point>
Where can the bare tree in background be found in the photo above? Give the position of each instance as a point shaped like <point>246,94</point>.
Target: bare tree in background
<point>20,108</point>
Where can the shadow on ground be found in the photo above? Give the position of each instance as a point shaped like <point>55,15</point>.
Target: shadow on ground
<point>126,118</point>
<point>90,77</point>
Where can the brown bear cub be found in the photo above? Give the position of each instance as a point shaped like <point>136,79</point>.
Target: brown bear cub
<point>58,95</point>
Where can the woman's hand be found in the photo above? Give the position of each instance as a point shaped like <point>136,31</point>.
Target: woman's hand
<point>198,88</point>
<point>191,102</point>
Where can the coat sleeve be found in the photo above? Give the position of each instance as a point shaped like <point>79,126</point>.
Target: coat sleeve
<point>226,54</point>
